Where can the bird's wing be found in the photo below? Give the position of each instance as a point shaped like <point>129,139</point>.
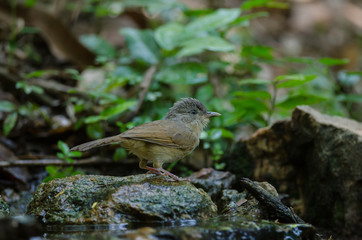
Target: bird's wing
<point>163,132</point>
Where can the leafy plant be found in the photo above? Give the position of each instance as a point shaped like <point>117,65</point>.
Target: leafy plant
<point>13,111</point>
<point>67,156</point>
<point>189,52</point>
<point>10,120</point>
<point>209,54</point>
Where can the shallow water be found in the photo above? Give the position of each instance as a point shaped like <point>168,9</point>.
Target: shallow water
<point>217,228</point>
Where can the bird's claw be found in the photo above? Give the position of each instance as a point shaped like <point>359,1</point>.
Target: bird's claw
<point>163,172</point>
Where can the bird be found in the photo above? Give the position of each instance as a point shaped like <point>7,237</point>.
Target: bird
<point>162,141</point>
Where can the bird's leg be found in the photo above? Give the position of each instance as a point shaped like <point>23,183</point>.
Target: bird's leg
<point>157,169</point>
<point>163,172</point>
<point>143,165</point>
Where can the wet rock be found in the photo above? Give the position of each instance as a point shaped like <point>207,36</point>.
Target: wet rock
<point>212,181</point>
<point>17,201</point>
<point>4,208</point>
<point>317,159</point>
<point>233,203</point>
<point>106,199</point>
<point>22,227</point>
<point>230,199</point>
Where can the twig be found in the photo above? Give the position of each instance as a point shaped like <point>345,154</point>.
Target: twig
<point>270,202</point>
<point>44,162</point>
<point>11,80</point>
<point>144,87</point>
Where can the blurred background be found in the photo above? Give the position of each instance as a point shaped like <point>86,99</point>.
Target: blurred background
<point>73,71</point>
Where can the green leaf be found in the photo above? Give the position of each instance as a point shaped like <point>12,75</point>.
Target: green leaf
<point>63,147</point>
<point>219,166</point>
<point>95,131</point>
<point>52,170</point>
<point>355,98</point>
<point>29,88</point>
<point>215,134</point>
<point>183,73</point>
<point>98,45</point>
<point>349,78</point>
<point>333,61</point>
<point>205,93</point>
<point>10,122</point>
<point>155,6</point>
<point>60,155</point>
<point>306,60</point>
<point>246,105</point>
<point>240,21</point>
<point>169,36</point>
<point>119,154</point>
<point>142,45</point>
<point>108,8</point>
<point>217,19</point>
<point>75,154</point>
<point>94,119</point>
<point>293,80</point>
<point>250,4</point>
<point>6,106</point>
<point>118,109</point>
<point>293,101</point>
<point>29,3</point>
<point>226,133</point>
<point>253,94</point>
<point>29,30</point>
<point>40,73</point>
<point>198,45</point>
<point>261,52</point>
<point>255,81</point>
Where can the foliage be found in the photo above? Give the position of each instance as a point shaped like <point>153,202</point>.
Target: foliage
<point>208,54</point>
<point>14,112</point>
<point>67,156</point>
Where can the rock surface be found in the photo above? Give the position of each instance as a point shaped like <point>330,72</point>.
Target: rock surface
<point>244,204</point>
<point>318,159</point>
<point>4,208</point>
<point>105,199</point>
<point>212,181</point>
<point>332,173</point>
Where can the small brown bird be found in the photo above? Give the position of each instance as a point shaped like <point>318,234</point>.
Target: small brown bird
<point>162,141</point>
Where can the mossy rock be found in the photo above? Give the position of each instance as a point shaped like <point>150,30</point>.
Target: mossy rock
<point>105,199</point>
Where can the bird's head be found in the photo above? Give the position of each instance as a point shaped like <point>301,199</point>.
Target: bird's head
<point>192,113</point>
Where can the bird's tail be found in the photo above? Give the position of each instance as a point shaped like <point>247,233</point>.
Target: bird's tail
<point>97,143</point>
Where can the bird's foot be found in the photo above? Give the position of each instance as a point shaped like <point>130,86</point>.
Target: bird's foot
<point>163,172</point>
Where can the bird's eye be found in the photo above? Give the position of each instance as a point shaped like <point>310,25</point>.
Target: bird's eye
<point>193,112</point>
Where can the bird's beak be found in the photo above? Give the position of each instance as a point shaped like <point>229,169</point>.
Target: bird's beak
<point>212,114</point>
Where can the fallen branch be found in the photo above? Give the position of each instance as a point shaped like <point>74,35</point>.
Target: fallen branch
<point>272,204</point>
<point>45,162</point>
